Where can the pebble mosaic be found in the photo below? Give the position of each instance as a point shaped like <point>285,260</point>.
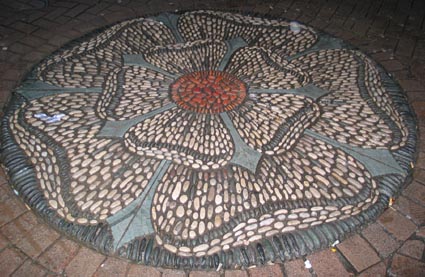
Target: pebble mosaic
<point>208,139</point>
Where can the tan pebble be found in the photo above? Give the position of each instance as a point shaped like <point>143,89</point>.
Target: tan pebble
<point>215,242</point>
<point>292,216</point>
<point>227,241</point>
<point>176,191</point>
<point>69,217</point>
<point>103,193</point>
<point>217,221</point>
<point>307,220</point>
<point>303,226</point>
<point>267,222</point>
<point>334,214</point>
<point>288,229</point>
<point>111,194</point>
<point>315,192</point>
<point>201,248</point>
<point>82,220</point>
<point>293,222</point>
<point>271,233</point>
<point>331,208</point>
<point>185,249</point>
<point>170,248</point>
<point>283,211</point>
<point>239,226</point>
<point>213,250</point>
<point>86,205</point>
<point>254,238</point>
<point>264,229</point>
<point>278,225</point>
<point>201,227</point>
<point>61,201</point>
<point>200,254</point>
<point>251,227</point>
<point>53,204</point>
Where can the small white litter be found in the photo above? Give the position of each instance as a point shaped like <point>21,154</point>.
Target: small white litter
<point>307,264</point>
<point>49,119</point>
<point>335,243</point>
<point>295,27</point>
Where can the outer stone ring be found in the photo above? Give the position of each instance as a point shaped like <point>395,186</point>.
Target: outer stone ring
<point>205,138</point>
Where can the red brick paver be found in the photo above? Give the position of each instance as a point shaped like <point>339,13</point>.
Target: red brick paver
<point>30,268</point>
<point>378,270</point>
<point>112,267</point>
<point>397,224</point>
<point>358,252</point>
<point>174,273</point>
<point>137,270</point>
<point>421,232</point>
<point>408,207</point>
<point>327,263</point>
<point>380,240</point>
<point>10,260</point>
<point>58,256</point>
<point>235,273</point>
<point>267,271</point>
<point>4,242</point>
<point>405,266</point>
<point>204,274</point>
<point>413,248</point>
<point>416,191</point>
<point>85,263</point>
<point>296,268</point>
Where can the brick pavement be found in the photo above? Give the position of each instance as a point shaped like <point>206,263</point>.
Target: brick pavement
<point>391,31</point>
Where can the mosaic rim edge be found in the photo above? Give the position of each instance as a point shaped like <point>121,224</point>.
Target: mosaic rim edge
<point>280,247</point>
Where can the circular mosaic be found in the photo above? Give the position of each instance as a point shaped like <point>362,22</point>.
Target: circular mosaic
<point>208,139</point>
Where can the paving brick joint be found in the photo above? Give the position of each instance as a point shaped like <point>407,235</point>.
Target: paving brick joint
<point>118,121</point>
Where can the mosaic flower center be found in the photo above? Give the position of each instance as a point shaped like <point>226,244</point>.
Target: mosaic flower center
<point>208,92</point>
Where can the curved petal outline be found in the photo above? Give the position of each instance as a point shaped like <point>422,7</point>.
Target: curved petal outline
<point>132,91</point>
<point>102,53</point>
<point>354,111</point>
<point>281,198</point>
<point>185,58</point>
<point>290,38</point>
<point>274,128</point>
<point>199,141</point>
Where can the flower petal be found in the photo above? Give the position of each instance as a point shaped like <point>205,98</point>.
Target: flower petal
<point>314,169</point>
<point>83,179</point>
<point>282,37</point>
<point>197,140</point>
<point>105,178</point>
<point>195,205</point>
<point>272,123</point>
<point>262,69</point>
<point>73,125</point>
<point>87,63</point>
<point>132,91</point>
<point>202,213</point>
<point>188,57</point>
<point>358,110</point>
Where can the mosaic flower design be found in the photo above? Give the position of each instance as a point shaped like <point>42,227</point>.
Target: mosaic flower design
<point>235,127</point>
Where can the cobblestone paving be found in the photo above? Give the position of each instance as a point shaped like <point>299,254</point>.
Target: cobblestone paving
<point>390,32</point>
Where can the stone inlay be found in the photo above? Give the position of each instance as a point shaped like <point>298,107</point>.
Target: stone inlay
<point>204,138</point>
<point>208,92</point>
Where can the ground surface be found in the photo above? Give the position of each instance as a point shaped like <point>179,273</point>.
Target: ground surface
<point>391,32</point>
